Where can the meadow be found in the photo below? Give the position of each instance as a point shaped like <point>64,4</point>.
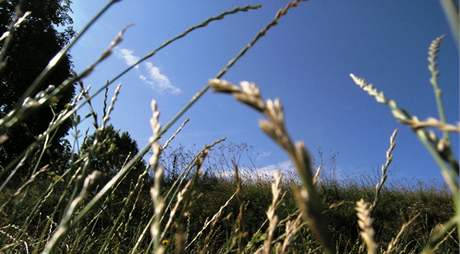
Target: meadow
<point>158,199</point>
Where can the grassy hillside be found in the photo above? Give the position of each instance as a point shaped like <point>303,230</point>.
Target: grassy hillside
<point>242,223</point>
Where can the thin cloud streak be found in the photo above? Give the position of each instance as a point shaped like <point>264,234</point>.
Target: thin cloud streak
<point>159,80</point>
<point>150,73</point>
<point>128,56</point>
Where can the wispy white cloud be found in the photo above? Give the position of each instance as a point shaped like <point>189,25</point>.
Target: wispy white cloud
<point>159,80</point>
<point>128,56</point>
<point>150,74</point>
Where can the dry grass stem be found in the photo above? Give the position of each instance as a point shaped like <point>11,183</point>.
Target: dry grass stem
<point>174,135</point>
<point>438,149</point>
<point>451,11</point>
<point>282,12</point>
<point>63,52</point>
<point>392,246</point>
<point>384,169</point>
<point>197,161</point>
<point>107,114</point>
<point>431,123</point>
<point>316,177</point>
<point>215,218</point>
<point>158,201</point>
<point>308,200</point>
<point>16,25</point>
<point>292,227</point>
<point>169,42</point>
<point>64,224</point>
<point>439,234</point>
<point>271,213</point>
<point>173,190</point>
<point>8,38</point>
<point>172,213</point>
<point>365,224</point>
<point>433,51</point>
<point>52,93</point>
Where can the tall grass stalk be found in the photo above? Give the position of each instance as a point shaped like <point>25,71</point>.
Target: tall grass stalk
<point>173,190</point>
<point>439,148</point>
<point>307,196</point>
<point>64,224</point>
<point>433,51</point>
<point>452,14</point>
<point>59,56</point>
<point>216,217</point>
<point>16,116</point>
<point>393,245</point>
<point>155,51</point>
<point>363,211</point>
<point>271,213</point>
<point>439,151</point>
<point>157,198</point>
<point>384,169</point>
<point>8,37</point>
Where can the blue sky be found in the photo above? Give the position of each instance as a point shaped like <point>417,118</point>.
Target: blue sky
<point>305,61</point>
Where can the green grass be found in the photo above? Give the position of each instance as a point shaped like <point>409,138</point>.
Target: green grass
<point>396,206</point>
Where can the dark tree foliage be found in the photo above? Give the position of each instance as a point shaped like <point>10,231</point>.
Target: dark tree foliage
<point>108,155</point>
<point>47,30</point>
<point>111,151</point>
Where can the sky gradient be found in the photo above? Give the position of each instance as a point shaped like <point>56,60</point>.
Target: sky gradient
<point>305,61</point>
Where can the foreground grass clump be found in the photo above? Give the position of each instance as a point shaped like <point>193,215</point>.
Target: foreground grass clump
<point>101,196</point>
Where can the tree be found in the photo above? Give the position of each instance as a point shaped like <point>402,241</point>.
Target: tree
<point>47,30</point>
<point>110,153</point>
